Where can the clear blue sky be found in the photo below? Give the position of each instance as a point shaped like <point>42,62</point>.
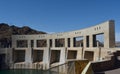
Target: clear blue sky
<point>59,15</point>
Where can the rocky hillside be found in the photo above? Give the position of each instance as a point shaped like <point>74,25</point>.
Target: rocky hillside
<point>6,31</point>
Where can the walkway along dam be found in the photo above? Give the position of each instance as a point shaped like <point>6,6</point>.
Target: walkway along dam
<point>43,51</point>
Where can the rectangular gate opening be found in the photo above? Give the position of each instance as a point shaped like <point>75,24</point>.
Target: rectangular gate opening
<point>55,56</point>
<point>98,40</point>
<point>38,56</point>
<point>32,43</point>
<point>60,42</point>
<point>19,56</point>
<point>89,55</point>
<point>78,41</point>
<point>72,54</point>
<point>22,43</point>
<point>50,42</point>
<point>42,43</point>
<point>5,43</point>
<point>68,42</point>
<point>87,41</point>
<point>2,61</point>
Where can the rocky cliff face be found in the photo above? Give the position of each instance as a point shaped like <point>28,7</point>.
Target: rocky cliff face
<point>6,31</point>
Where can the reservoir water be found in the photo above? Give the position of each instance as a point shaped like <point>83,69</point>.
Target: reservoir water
<point>26,72</point>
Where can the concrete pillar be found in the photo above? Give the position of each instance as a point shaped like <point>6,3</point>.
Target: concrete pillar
<point>28,53</point>
<point>48,43</point>
<point>79,54</point>
<point>84,47</point>
<point>71,42</point>
<point>63,56</point>
<point>14,43</point>
<point>109,35</point>
<point>29,43</point>
<point>84,42</point>
<point>97,44</point>
<point>96,55</point>
<point>91,40</point>
<point>9,55</point>
<point>35,44</point>
<point>28,58</point>
<point>46,60</point>
<point>66,42</point>
<point>53,43</point>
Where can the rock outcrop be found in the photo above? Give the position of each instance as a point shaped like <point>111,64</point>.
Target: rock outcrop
<point>6,31</point>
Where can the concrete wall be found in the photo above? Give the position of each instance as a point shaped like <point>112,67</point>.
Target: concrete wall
<point>88,34</point>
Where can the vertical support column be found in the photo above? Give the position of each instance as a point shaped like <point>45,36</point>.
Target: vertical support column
<point>48,43</point>
<point>62,69</point>
<point>28,56</point>
<point>10,57</point>
<point>53,43</point>
<point>84,47</point>
<point>84,42</point>
<point>71,42</point>
<point>106,40</point>
<point>66,42</point>
<point>109,35</point>
<point>62,56</point>
<point>91,40</point>
<point>29,43</point>
<point>14,43</point>
<point>35,44</point>
<point>12,52</point>
<point>79,54</point>
<point>96,55</point>
<point>46,60</point>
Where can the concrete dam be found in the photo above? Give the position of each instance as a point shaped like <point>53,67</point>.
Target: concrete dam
<point>44,51</point>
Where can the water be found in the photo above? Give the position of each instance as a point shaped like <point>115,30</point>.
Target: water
<point>25,72</point>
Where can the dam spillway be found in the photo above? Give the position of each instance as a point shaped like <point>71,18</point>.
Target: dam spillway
<point>43,51</point>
